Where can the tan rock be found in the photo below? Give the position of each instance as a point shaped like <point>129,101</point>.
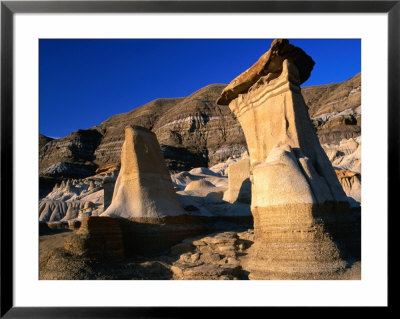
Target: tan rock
<point>74,224</point>
<point>208,257</point>
<point>270,65</point>
<point>97,237</point>
<point>300,210</point>
<point>239,186</point>
<point>144,187</point>
<point>199,184</point>
<point>351,183</point>
<point>108,189</point>
<point>86,210</point>
<point>108,168</point>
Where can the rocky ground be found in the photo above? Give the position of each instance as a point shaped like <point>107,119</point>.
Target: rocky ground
<point>216,256</point>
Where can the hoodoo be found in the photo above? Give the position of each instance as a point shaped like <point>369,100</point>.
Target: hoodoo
<point>302,224</point>
<point>143,188</point>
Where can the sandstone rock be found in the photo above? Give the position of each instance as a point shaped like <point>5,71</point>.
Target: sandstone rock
<point>202,171</point>
<point>214,197</point>
<point>270,65</point>
<point>181,248</point>
<point>57,225</point>
<point>143,188</point>
<point>222,168</point>
<point>108,188</point>
<point>86,210</point>
<point>239,182</point>
<point>152,236</point>
<point>204,191</point>
<point>99,237</point>
<point>297,202</point>
<point>56,210</point>
<point>213,256</point>
<point>182,179</point>
<point>351,183</point>
<point>200,184</point>
<point>74,224</point>
<point>109,168</point>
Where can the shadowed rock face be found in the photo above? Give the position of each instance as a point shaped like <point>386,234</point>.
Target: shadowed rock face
<point>143,188</point>
<point>297,202</point>
<point>97,237</point>
<point>108,188</point>
<point>43,140</point>
<point>71,155</point>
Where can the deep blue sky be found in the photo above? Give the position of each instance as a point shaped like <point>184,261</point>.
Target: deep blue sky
<point>83,82</point>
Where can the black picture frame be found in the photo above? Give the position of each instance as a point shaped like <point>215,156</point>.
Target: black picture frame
<point>9,8</point>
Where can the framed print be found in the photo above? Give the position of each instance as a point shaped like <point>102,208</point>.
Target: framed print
<point>164,155</point>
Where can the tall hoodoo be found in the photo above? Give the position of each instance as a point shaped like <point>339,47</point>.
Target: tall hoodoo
<point>300,210</point>
<point>143,188</point>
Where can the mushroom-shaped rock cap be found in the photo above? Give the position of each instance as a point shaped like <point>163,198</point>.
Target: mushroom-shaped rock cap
<point>270,62</point>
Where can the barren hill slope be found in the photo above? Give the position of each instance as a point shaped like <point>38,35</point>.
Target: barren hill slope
<point>195,131</point>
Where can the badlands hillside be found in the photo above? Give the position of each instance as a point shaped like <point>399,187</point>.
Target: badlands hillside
<point>194,131</point>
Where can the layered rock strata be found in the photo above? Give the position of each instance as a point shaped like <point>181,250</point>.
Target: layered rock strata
<point>301,214</point>
<point>192,131</point>
<point>99,237</point>
<point>70,156</point>
<point>143,188</point>
<point>216,256</point>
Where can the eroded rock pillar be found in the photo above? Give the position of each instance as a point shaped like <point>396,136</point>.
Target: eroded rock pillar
<point>301,214</point>
<point>143,188</point>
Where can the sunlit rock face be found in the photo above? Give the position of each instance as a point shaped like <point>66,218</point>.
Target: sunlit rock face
<point>239,186</point>
<point>302,223</point>
<point>143,188</point>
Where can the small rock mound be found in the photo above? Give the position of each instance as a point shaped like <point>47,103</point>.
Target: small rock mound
<point>202,171</point>
<point>195,185</point>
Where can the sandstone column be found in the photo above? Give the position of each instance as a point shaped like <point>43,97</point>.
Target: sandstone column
<point>301,217</point>
<point>143,188</point>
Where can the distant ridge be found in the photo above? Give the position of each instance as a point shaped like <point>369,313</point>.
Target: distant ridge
<point>196,132</point>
